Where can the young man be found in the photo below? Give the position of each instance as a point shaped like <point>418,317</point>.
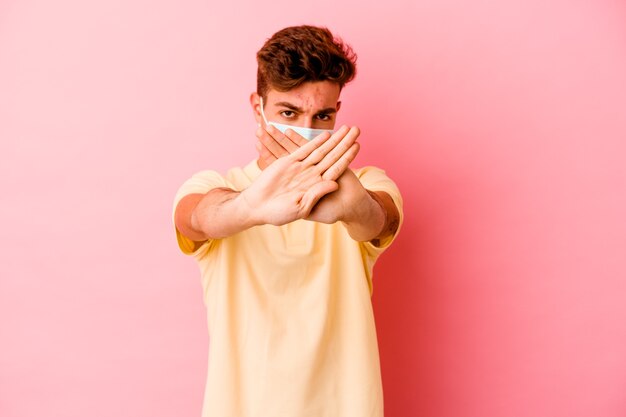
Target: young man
<point>286,247</point>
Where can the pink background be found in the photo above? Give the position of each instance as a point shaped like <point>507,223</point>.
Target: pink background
<point>503,123</point>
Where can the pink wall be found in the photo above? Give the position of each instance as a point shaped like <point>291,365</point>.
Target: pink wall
<point>504,124</point>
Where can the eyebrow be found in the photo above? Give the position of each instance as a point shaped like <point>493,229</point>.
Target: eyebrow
<point>298,109</point>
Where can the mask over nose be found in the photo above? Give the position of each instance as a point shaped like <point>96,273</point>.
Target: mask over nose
<point>305,132</point>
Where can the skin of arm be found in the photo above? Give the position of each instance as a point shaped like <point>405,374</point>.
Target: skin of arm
<point>216,214</point>
<point>392,216</point>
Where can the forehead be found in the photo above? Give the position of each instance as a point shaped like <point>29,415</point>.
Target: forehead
<point>308,96</point>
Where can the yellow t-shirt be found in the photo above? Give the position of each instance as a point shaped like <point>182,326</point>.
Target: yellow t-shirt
<point>290,320</point>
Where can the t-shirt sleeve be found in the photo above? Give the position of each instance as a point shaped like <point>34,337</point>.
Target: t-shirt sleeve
<point>375,179</point>
<point>200,183</point>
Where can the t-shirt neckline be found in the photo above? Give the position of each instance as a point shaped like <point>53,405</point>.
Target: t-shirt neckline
<point>252,170</point>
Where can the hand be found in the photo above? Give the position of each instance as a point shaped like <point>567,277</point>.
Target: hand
<point>340,204</point>
<point>274,144</point>
<point>367,215</point>
<point>332,207</point>
<point>288,189</point>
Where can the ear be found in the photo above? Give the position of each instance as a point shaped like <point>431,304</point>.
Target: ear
<point>255,103</point>
<point>338,105</point>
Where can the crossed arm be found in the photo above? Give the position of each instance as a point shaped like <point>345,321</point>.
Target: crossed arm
<point>300,180</point>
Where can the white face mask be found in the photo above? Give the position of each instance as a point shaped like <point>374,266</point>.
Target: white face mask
<point>305,132</point>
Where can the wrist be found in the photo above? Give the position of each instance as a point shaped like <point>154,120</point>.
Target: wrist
<point>247,213</point>
<point>380,208</point>
<point>367,221</point>
<point>367,206</point>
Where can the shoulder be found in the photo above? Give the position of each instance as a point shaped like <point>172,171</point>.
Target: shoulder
<point>376,179</point>
<point>200,183</point>
<point>370,171</point>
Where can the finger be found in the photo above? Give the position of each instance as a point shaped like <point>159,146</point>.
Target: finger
<point>318,154</point>
<point>265,154</point>
<point>283,139</point>
<point>338,151</point>
<point>339,167</point>
<point>305,150</point>
<point>333,149</point>
<point>270,143</point>
<point>314,194</point>
<point>296,138</point>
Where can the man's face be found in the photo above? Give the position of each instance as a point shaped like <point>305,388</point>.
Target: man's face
<point>312,104</point>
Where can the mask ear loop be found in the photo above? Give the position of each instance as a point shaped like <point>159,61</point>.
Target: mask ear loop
<point>263,113</point>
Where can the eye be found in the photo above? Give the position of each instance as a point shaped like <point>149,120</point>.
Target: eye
<point>287,113</point>
<point>324,117</point>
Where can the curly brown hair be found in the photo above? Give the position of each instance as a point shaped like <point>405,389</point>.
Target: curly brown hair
<point>298,54</point>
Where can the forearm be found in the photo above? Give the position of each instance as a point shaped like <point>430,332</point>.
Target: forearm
<point>365,219</point>
<point>374,218</point>
<point>220,213</point>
